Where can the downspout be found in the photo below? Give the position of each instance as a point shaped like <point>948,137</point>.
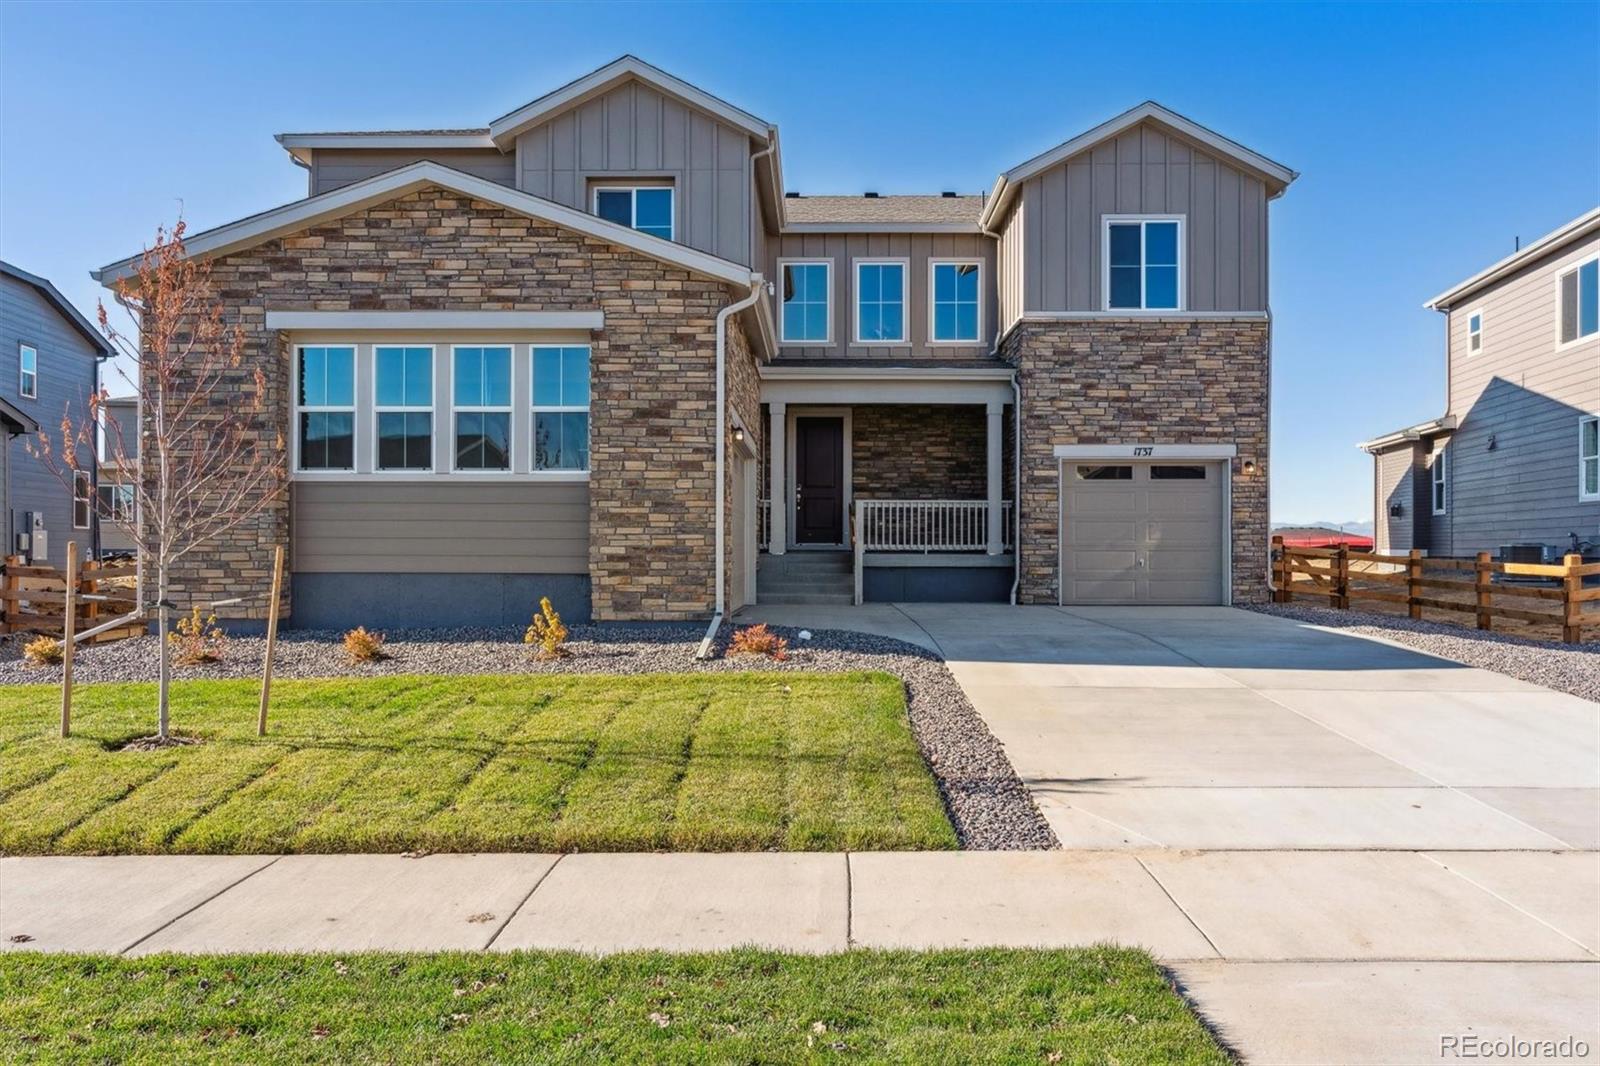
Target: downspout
<point>1016,438</point>
<point>756,287</point>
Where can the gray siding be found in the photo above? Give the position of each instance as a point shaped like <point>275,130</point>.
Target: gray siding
<point>1528,395</point>
<point>918,248</point>
<point>1397,481</point>
<point>454,527</point>
<point>1144,171</point>
<point>1013,257</point>
<point>633,131</point>
<point>333,168</point>
<point>67,375</point>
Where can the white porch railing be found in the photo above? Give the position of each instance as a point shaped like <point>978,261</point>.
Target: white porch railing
<point>925,526</point>
<point>763,524</point>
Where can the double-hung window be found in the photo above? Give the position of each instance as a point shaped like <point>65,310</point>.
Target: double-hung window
<point>646,208</point>
<point>82,499</point>
<point>880,301</point>
<point>1579,290</point>
<point>482,393</point>
<point>1589,457</point>
<point>953,305</point>
<point>1475,333</point>
<point>807,308</point>
<point>1440,481</point>
<point>561,408</point>
<point>1143,259</point>
<point>116,502</point>
<point>325,407</point>
<point>28,371</point>
<point>403,406</point>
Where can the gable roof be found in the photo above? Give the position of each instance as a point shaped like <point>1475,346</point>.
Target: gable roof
<point>1580,227</point>
<point>938,210</point>
<point>1276,175</point>
<point>347,199</point>
<point>505,128</point>
<point>62,305</point>
<point>14,420</point>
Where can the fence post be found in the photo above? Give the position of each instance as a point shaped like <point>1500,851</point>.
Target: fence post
<point>12,585</point>
<point>1481,575</point>
<point>1280,571</point>
<point>1414,583</point>
<point>1571,586</point>
<point>68,624</point>
<point>272,640</point>
<point>1341,586</point>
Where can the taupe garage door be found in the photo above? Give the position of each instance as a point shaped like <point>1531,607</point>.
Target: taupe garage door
<point>1141,532</point>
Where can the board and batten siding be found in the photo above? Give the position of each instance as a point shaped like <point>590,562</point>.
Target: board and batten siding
<point>634,131</point>
<point>1396,471</point>
<point>334,168</point>
<point>918,248</point>
<point>1144,171</point>
<point>417,527</point>
<point>1012,255</point>
<point>1528,395</point>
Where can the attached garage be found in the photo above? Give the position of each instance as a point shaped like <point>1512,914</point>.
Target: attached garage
<point>1144,528</point>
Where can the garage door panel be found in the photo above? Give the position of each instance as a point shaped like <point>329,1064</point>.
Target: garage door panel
<point>1106,561</point>
<point>1101,536</point>
<point>1199,532</point>
<point>1090,591</point>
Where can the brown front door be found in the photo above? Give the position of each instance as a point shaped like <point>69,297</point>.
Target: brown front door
<point>819,480</point>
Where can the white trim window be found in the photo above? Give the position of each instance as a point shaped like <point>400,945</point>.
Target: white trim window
<point>647,208</point>
<point>325,407</point>
<point>1143,258</point>
<point>1475,332</point>
<point>1439,481</point>
<point>82,499</point>
<point>116,502</point>
<point>1589,457</point>
<point>955,301</point>
<point>561,407</point>
<point>806,301</point>
<point>402,404</point>
<point>481,392</point>
<point>880,301</point>
<point>28,371</point>
<point>1578,302</point>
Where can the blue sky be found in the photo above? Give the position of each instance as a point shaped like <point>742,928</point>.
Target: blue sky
<point>1428,137</point>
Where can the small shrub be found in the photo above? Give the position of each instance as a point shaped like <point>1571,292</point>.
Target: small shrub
<point>548,632</point>
<point>197,640</point>
<point>759,640</point>
<point>362,646</point>
<point>42,651</point>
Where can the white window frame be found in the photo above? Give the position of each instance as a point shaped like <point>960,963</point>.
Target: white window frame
<point>121,507</point>
<point>933,265</point>
<point>633,204</point>
<point>1581,337</point>
<point>905,299</point>
<point>353,410</point>
<point>27,379</point>
<point>382,409</point>
<point>1439,482</point>
<point>1477,334</point>
<point>1585,496</point>
<point>82,499</point>
<point>827,265</point>
<point>510,409</point>
<point>534,409</point>
<point>1106,222</point>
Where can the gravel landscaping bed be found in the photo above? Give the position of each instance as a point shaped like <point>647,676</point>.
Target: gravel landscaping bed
<point>1573,668</point>
<point>988,804</point>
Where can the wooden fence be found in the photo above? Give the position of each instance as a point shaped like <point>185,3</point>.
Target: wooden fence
<point>1556,595</point>
<point>34,598</point>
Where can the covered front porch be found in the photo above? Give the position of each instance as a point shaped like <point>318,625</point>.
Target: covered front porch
<point>886,483</point>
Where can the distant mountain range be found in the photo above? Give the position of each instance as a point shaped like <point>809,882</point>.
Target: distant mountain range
<point>1363,528</point>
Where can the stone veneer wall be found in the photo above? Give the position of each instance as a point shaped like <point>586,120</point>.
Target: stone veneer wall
<point>653,465</point>
<point>744,401</point>
<point>1136,381</point>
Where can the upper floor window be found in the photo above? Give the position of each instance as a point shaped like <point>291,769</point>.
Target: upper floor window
<point>1589,457</point>
<point>1580,302</point>
<point>954,304</point>
<point>82,499</point>
<point>561,408</point>
<point>1441,482</point>
<point>325,408</point>
<point>807,306</point>
<point>482,394</point>
<point>404,406</point>
<point>1475,333</point>
<point>116,502</point>
<point>1143,259</point>
<point>646,208</point>
<point>880,301</point>
<point>28,372</point>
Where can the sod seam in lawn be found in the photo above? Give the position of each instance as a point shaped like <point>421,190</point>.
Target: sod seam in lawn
<point>474,763</point>
<point>1098,1005</point>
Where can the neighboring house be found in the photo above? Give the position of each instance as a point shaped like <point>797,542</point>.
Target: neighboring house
<point>1515,458</point>
<point>502,357</point>
<point>119,436</point>
<point>49,366</point>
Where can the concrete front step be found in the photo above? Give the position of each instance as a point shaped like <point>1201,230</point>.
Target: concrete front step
<point>841,599</point>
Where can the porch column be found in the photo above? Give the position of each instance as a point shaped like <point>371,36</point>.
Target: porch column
<point>778,512</point>
<point>996,439</point>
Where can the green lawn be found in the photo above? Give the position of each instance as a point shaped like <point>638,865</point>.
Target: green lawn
<point>1099,1005</point>
<point>571,763</point>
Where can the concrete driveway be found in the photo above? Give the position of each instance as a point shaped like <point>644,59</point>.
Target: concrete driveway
<point>1361,832</point>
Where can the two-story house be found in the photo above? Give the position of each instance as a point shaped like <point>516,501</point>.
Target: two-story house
<point>52,356</point>
<point>596,350</point>
<point>118,474</point>
<point>1515,458</point>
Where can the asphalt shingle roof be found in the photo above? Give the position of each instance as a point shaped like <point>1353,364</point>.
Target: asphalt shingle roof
<point>882,209</point>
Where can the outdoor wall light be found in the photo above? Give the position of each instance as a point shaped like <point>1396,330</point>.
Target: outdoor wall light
<point>1491,442</point>
<point>1396,509</point>
<point>738,434</point>
<point>1249,467</point>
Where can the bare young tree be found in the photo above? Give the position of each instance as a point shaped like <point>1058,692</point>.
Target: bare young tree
<point>202,469</point>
